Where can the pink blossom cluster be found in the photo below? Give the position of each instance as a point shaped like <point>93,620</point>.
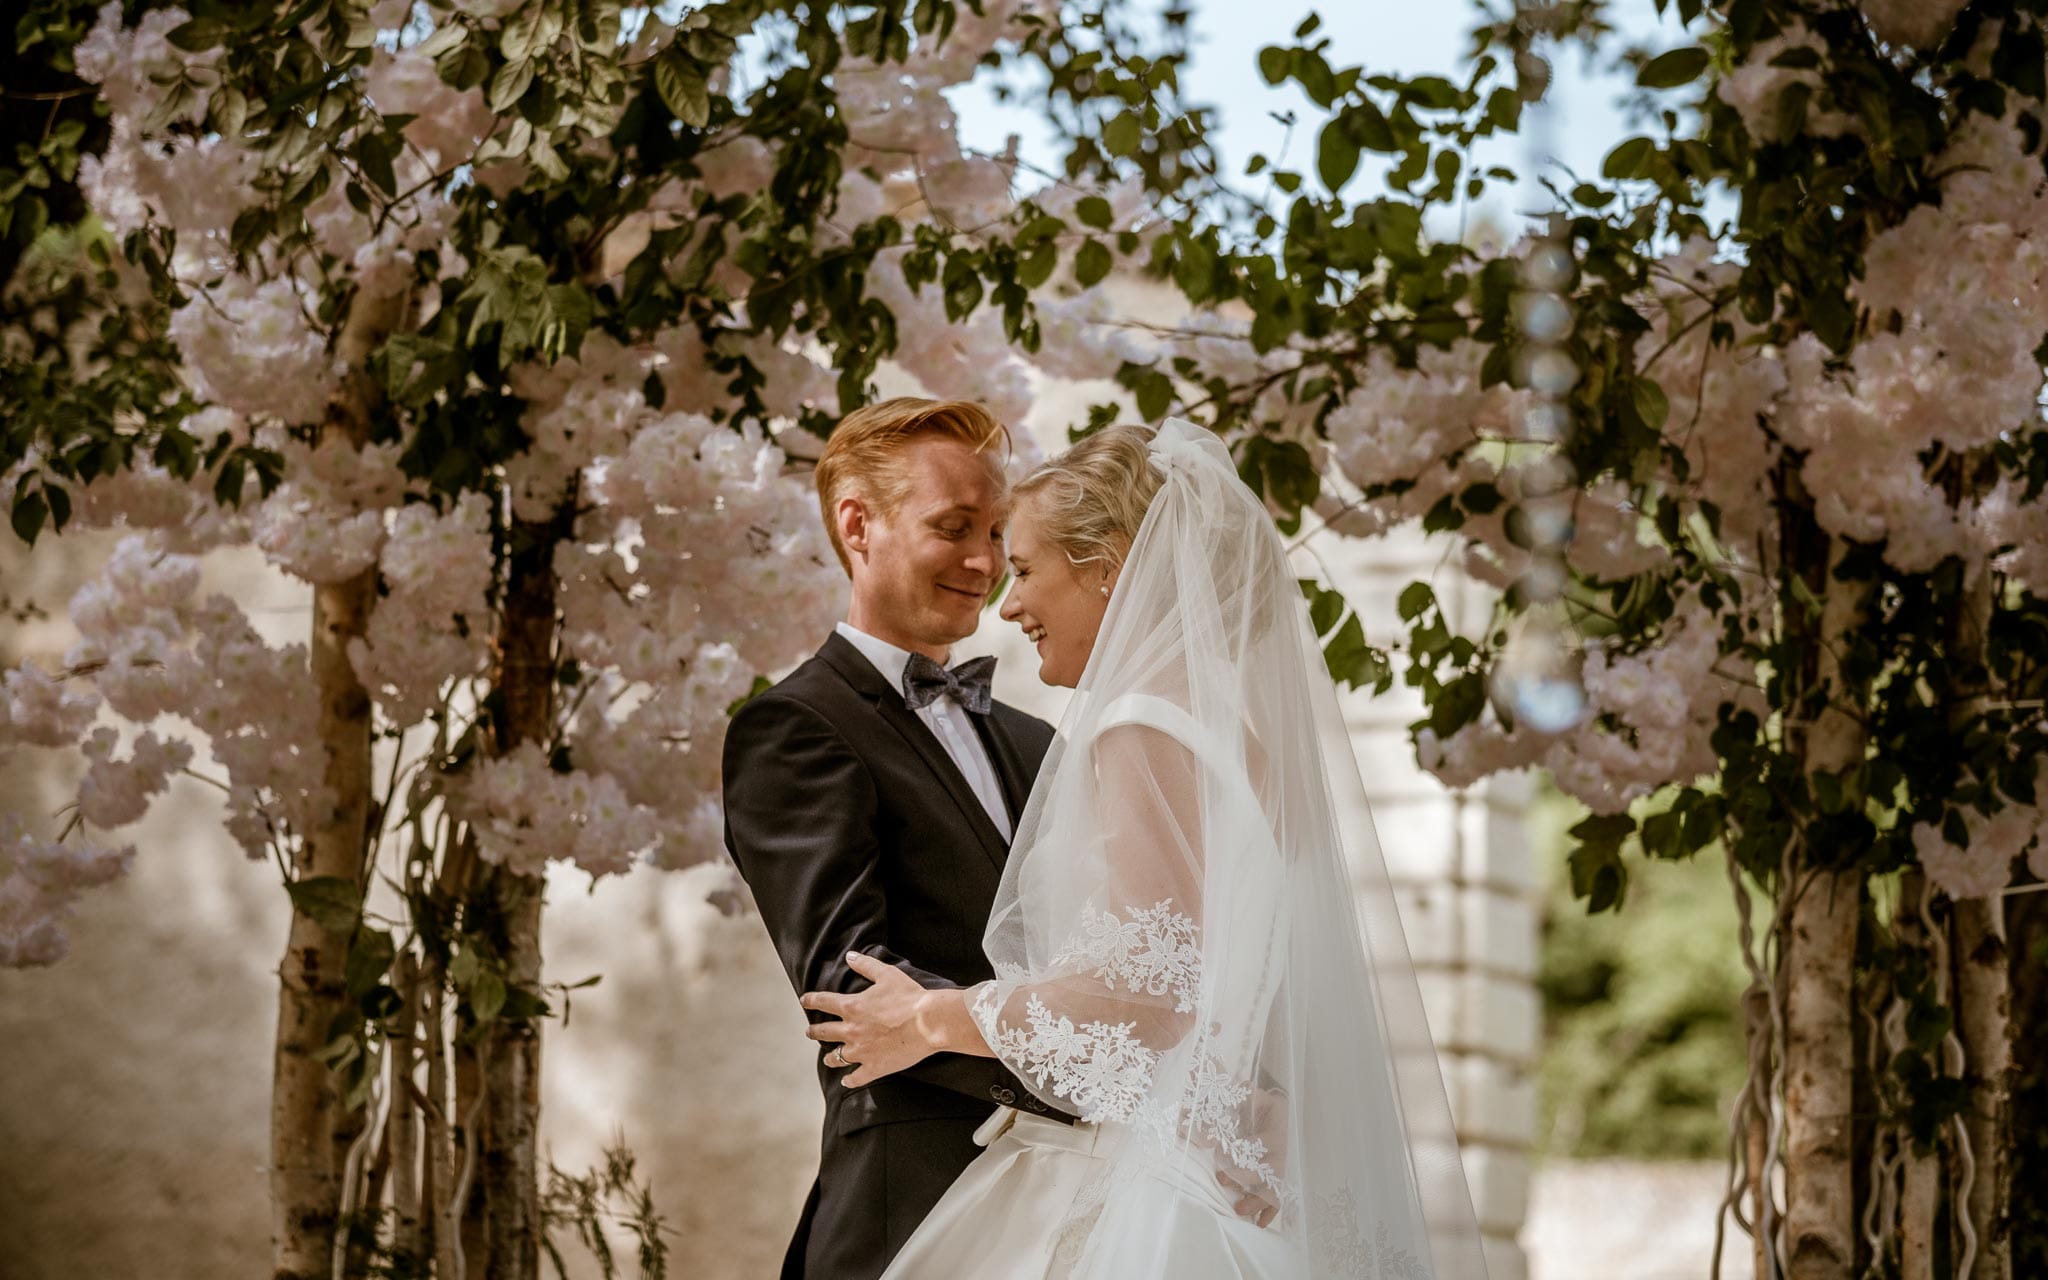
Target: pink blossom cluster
<point>1968,284</point>
<point>146,650</point>
<point>39,710</point>
<point>1717,396</point>
<point>133,65</point>
<point>433,624</point>
<point>1754,87</point>
<point>1984,865</point>
<point>150,651</point>
<point>447,123</point>
<point>972,360</point>
<point>1653,714</point>
<point>40,883</point>
<point>525,814</point>
<point>116,792</point>
<point>1911,22</point>
<point>325,522</point>
<point>253,347</point>
<point>1082,337</point>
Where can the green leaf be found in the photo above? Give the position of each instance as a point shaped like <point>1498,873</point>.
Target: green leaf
<point>1416,600</point>
<point>1458,704</point>
<point>329,901</point>
<point>369,958</point>
<point>1598,877</point>
<point>1673,67</point>
<point>1325,607</point>
<point>29,513</point>
<point>520,31</point>
<point>373,152</point>
<point>1092,263</point>
<point>1273,64</point>
<point>1661,835</point>
<point>486,996</point>
<point>1597,873</point>
<point>198,35</point>
<point>1155,396</point>
<point>1094,211</point>
<point>1650,404</point>
<point>1351,660</point>
<point>1433,92</point>
<point>1370,126</point>
<point>680,81</point>
<point>445,37</point>
<point>227,113</point>
<point>1336,155</point>
<point>1195,269</point>
<point>1120,137</point>
<point>509,86</point>
<point>1629,160</point>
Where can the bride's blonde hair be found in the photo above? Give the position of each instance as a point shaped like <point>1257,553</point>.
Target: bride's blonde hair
<point>1091,499</point>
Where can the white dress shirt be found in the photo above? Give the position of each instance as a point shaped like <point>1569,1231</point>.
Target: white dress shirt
<point>947,720</point>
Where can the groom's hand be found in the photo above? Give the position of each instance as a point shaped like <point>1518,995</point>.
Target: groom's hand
<point>878,1031</point>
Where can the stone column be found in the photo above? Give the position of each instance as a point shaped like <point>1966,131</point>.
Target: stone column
<point>1468,890</point>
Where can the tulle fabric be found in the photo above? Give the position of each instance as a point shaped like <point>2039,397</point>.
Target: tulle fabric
<point>1194,952</point>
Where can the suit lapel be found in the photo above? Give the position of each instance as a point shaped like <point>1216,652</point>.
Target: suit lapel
<point>853,666</point>
<point>1009,761</point>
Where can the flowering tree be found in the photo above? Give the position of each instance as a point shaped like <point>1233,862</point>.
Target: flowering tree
<point>1795,438</point>
<point>504,326</point>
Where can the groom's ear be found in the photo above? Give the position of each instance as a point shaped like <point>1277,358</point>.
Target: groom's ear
<point>851,513</point>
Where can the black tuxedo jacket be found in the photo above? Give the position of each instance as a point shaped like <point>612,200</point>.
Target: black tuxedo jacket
<point>856,832</point>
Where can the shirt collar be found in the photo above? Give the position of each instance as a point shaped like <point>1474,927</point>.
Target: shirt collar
<point>886,657</point>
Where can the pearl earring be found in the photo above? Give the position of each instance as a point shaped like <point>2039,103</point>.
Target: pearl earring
<point>1105,590</point>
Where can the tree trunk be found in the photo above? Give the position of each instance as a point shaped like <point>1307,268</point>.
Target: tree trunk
<point>1756,1132</point>
<point>1984,1020</point>
<point>1981,971</point>
<point>523,693</point>
<point>1820,1207</point>
<point>2027,1186</point>
<point>439,1213</point>
<point>1820,949</point>
<point>1920,1174</point>
<point>309,1132</point>
<point>401,1138</point>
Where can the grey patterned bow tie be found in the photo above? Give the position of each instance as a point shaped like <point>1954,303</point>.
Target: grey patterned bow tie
<point>969,684</point>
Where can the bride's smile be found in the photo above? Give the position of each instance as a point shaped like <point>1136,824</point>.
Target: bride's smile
<point>1056,603</point>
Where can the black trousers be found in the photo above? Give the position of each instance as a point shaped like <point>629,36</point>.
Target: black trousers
<point>874,1186</point>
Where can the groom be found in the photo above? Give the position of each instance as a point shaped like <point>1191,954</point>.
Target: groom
<point>870,798</point>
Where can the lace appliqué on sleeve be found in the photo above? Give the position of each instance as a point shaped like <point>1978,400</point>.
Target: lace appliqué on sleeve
<point>1099,1066</point>
<point>1103,1068</point>
<point>1155,952</point>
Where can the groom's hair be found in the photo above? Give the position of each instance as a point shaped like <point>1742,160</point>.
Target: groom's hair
<point>864,455</point>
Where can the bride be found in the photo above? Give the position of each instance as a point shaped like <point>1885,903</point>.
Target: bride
<point>1195,944</point>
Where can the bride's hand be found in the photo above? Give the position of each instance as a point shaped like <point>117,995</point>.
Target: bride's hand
<point>879,1031</point>
<point>1253,1198</point>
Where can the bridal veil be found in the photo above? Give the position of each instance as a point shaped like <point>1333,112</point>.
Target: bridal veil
<point>1195,937</point>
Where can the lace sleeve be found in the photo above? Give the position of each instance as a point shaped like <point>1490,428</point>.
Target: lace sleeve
<point>1118,987</point>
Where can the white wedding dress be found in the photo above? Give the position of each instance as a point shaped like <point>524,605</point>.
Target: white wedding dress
<point>1197,958</point>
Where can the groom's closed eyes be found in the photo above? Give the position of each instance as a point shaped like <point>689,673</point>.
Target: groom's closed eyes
<point>957,522</point>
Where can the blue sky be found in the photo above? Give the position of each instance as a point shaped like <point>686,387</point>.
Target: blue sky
<point>1408,37</point>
